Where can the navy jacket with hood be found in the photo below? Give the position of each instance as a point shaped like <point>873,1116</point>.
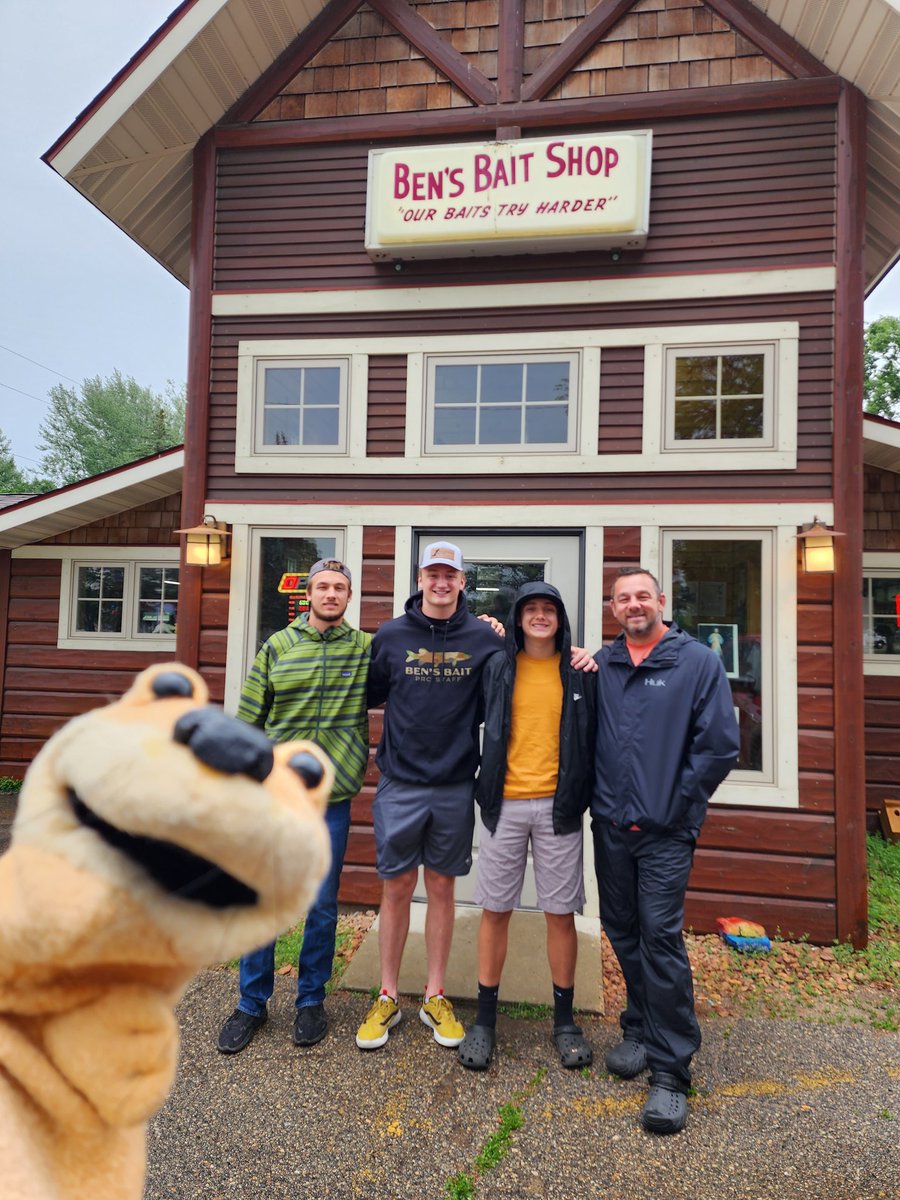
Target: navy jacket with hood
<point>666,734</point>
<point>429,672</point>
<point>576,729</point>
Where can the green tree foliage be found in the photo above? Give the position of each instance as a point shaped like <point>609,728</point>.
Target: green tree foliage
<point>881,364</point>
<point>107,423</point>
<point>12,479</point>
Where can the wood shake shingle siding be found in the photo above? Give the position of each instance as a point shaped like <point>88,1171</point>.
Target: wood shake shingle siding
<point>733,191</point>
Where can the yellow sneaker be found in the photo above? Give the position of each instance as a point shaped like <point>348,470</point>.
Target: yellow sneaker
<point>437,1014</point>
<point>381,1017</point>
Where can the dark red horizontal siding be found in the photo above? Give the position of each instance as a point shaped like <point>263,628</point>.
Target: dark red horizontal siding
<point>621,403</point>
<point>735,190</point>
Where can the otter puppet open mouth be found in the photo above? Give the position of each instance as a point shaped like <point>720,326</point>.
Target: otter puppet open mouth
<point>179,871</point>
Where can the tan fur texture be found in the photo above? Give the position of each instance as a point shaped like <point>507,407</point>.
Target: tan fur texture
<point>94,951</point>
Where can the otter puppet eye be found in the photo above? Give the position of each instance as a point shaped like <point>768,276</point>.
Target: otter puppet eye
<point>308,767</point>
<point>172,683</point>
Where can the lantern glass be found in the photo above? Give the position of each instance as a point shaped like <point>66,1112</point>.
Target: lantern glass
<point>818,555</point>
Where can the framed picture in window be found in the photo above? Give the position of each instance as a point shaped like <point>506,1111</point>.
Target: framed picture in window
<point>722,639</point>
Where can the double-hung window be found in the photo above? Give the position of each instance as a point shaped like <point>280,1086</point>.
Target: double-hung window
<point>301,404</point>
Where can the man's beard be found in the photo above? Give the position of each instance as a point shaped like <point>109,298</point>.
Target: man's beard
<point>332,616</point>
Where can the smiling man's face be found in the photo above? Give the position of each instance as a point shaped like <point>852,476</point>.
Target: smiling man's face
<point>441,587</point>
<point>637,606</point>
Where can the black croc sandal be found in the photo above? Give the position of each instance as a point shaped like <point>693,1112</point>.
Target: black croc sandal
<point>574,1048</point>
<point>477,1048</point>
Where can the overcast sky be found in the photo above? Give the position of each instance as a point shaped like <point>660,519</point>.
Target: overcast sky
<point>77,296</point>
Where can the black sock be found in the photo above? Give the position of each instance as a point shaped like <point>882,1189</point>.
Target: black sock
<point>563,999</point>
<point>487,1006</point>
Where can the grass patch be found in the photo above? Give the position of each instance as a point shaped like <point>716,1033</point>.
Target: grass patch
<point>9,784</point>
<point>287,951</point>
<point>496,1147</point>
<point>523,1011</point>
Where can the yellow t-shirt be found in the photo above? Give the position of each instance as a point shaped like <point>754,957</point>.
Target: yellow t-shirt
<point>532,755</point>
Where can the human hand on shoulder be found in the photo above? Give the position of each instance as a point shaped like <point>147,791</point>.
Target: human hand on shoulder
<point>583,660</point>
<point>497,626</point>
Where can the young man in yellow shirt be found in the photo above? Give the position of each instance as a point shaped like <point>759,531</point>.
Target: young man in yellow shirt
<point>534,786</point>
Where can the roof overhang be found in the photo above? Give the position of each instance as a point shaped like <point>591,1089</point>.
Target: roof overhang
<point>881,443</point>
<point>131,151</point>
<point>33,520</point>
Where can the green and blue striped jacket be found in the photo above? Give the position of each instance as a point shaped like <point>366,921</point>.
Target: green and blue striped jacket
<point>307,684</point>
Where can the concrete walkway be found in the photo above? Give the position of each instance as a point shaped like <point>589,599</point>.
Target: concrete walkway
<point>783,1111</point>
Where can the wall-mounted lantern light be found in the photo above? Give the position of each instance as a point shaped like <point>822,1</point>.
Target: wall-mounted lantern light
<point>205,543</point>
<point>817,546</point>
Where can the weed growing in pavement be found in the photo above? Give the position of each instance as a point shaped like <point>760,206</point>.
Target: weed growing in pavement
<point>886,1114</point>
<point>496,1147</point>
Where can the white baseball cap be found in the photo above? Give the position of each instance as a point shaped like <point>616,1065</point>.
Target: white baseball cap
<point>442,554</point>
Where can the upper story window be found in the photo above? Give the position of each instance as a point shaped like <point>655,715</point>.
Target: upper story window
<point>501,402</point>
<point>301,403</point>
<point>722,396</point>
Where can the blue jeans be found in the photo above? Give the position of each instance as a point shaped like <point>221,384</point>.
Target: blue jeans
<point>317,951</point>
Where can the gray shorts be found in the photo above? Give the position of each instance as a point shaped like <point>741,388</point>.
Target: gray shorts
<point>416,825</point>
<point>558,867</point>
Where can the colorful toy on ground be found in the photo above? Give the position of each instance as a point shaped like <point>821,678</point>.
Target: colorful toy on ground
<point>747,936</point>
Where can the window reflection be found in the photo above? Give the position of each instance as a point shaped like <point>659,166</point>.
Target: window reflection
<point>717,598</point>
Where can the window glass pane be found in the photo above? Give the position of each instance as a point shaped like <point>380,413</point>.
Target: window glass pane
<point>322,385</point>
<point>110,616</point>
<point>320,426</point>
<point>284,562</point>
<point>501,383</point>
<point>546,381</point>
<point>717,598</point>
<point>455,385</point>
<point>884,595</point>
<point>546,423</point>
<point>499,426</point>
<point>150,583</point>
<point>695,375</point>
<point>157,609</point>
<point>454,427</point>
<point>695,419</point>
<point>282,385</point>
<point>89,581</point>
<point>742,417</point>
<point>113,583</point>
<point>87,616</point>
<point>281,427</point>
<point>742,373</point>
<point>490,587</point>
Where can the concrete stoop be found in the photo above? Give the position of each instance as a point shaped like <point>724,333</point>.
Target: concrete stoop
<point>526,976</point>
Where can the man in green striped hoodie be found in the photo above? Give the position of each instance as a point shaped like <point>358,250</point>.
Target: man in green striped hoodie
<point>309,681</point>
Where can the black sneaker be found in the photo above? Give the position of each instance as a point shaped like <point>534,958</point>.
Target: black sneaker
<point>310,1025</point>
<point>238,1031</point>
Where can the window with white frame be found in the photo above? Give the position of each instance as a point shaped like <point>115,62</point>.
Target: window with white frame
<point>735,592</point>
<point>719,396</point>
<point>112,600</point>
<point>301,403</point>
<point>881,612</point>
<point>500,402</point>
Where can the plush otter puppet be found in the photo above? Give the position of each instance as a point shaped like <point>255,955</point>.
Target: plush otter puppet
<point>152,837</point>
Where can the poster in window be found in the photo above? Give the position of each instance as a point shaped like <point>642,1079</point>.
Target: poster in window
<point>722,639</point>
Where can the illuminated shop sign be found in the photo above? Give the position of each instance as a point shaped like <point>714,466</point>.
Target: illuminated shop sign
<point>526,197</point>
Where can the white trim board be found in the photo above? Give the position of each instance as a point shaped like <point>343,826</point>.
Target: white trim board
<point>632,290</point>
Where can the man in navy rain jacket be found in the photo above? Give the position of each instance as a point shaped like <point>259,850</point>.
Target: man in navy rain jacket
<point>666,738</point>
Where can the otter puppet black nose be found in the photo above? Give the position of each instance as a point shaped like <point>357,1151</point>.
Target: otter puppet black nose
<point>308,767</point>
<point>225,744</point>
<point>171,683</point>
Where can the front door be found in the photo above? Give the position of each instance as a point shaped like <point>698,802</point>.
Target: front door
<point>497,564</point>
